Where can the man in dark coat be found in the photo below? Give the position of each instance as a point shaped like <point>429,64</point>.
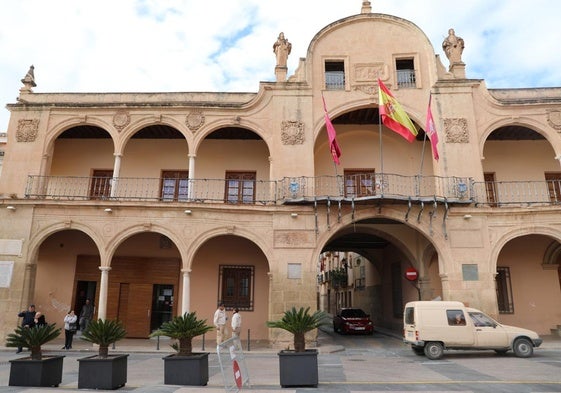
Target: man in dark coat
<point>28,319</point>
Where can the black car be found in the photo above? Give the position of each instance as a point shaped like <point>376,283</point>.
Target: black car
<point>352,320</point>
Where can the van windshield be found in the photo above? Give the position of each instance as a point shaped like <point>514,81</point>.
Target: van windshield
<point>480,319</point>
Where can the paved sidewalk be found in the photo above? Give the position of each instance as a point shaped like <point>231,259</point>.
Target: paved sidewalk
<point>359,369</point>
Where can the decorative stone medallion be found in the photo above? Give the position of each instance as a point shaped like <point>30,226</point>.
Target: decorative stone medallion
<point>292,132</point>
<point>121,119</point>
<point>27,130</point>
<point>195,120</point>
<point>554,119</point>
<point>456,130</point>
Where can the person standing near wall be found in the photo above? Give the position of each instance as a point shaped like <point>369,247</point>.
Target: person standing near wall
<point>28,319</point>
<point>220,323</point>
<point>236,323</point>
<point>70,327</point>
<point>86,315</point>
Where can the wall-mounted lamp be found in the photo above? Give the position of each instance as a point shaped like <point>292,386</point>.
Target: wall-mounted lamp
<point>187,211</point>
<point>10,207</point>
<point>108,210</point>
<point>293,215</point>
<point>467,216</point>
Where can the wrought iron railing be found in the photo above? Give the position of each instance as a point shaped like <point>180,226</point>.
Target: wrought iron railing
<point>287,190</point>
<point>406,79</point>
<point>512,193</point>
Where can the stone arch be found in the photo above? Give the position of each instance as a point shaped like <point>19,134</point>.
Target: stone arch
<point>129,131</point>
<point>529,123</point>
<point>69,123</point>
<point>518,232</point>
<point>129,232</point>
<point>248,124</point>
<point>197,243</point>
<point>39,237</point>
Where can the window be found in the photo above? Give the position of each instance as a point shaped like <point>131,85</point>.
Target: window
<point>456,317</point>
<point>405,73</point>
<point>236,286</point>
<point>504,291</point>
<point>335,75</point>
<point>100,187</point>
<point>240,187</point>
<point>175,185</point>
<point>360,183</point>
<point>490,188</point>
<point>553,180</point>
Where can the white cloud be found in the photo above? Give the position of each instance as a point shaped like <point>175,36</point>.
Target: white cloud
<point>225,45</point>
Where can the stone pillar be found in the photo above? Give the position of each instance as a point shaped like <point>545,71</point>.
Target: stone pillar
<point>458,70</point>
<point>190,190</point>
<point>103,287</point>
<point>116,174</point>
<point>186,294</point>
<point>280,73</point>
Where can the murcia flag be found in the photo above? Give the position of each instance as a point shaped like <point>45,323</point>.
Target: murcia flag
<point>333,145</point>
<point>430,130</point>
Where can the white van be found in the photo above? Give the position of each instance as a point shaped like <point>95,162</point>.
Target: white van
<point>433,326</point>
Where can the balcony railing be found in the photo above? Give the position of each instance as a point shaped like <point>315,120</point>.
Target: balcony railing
<point>521,193</point>
<point>287,190</point>
<point>406,79</point>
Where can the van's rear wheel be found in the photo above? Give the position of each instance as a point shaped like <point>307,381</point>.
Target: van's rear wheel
<point>434,350</point>
<point>420,351</point>
<point>523,348</point>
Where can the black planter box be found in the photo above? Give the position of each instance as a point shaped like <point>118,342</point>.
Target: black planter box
<point>30,372</point>
<point>98,373</point>
<point>186,370</point>
<point>298,368</point>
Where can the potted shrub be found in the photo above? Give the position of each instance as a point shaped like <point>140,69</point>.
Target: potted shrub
<point>185,367</point>
<point>299,367</point>
<point>36,369</point>
<point>103,371</point>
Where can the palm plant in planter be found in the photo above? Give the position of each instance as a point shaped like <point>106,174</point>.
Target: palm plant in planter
<point>299,367</point>
<point>185,367</point>
<point>103,371</point>
<point>35,370</point>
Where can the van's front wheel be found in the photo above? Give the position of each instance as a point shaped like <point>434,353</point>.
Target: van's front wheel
<point>434,350</point>
<point>523,348</point>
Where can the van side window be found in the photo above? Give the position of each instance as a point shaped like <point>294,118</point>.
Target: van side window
<point>456,317</point>
<point>480,319</point>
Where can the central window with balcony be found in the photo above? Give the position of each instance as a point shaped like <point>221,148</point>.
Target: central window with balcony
<point>240,187</point>
<point>360,183</point>
<point>175,185</point>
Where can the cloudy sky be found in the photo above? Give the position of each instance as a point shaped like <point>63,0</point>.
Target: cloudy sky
<point>226,45</point>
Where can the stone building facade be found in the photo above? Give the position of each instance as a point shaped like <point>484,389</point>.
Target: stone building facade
<point>157,204</point>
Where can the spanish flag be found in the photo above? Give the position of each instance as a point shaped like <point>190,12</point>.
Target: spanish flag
<point>393,115</point>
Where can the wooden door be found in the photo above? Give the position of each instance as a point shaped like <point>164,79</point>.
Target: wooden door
<point>136,315</point>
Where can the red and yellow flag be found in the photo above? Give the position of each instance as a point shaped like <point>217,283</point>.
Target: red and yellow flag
<point>393,115</point>
<point>333,145</point>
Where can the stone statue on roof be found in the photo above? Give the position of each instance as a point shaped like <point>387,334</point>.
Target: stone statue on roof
<point>29,78</point>
<point>282,49</point>
<point>453,47</point>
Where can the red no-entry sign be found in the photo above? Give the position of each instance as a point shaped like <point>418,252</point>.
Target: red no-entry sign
<point>411,274</point>
<point>237,374</point>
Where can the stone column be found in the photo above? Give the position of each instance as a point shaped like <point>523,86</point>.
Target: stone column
<point>190,190</point>
<point>116,174</point>
<point>103,287</point>
<point>186,294</point>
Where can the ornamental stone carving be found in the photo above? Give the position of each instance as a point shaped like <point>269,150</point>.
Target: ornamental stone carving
<point>195,120</point>
<point>554,119</point>
<point>292,132</point>
<point>121,119</point>
<point>27,130</point>
<point>365,77</point>
<point>456,130</point>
